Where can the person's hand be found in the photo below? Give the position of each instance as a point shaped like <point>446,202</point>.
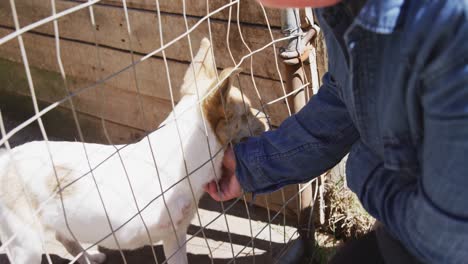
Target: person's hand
<point>229,187</point>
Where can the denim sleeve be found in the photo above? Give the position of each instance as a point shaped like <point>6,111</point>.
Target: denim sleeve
<point>429,213</point>
<point>304,146</point>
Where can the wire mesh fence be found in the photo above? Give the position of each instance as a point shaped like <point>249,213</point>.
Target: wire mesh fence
<point>134,103</point>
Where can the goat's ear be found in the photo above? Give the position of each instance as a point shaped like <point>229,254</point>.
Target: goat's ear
<point>216,106</point>
<point>219,97</point>
<point>201,68</point>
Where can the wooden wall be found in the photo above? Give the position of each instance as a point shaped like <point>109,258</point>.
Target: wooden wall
<point>91,54</point>
<point>85,62</point>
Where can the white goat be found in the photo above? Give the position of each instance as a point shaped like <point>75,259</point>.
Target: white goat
<point>28,179</point>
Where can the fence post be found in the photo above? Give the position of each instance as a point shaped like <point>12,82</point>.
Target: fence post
<point>296,78</point>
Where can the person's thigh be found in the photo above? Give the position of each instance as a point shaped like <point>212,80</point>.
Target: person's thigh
<point>391,249</point>
<point>362,250</point>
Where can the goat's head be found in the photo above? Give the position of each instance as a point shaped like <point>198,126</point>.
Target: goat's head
<point>227,110</point>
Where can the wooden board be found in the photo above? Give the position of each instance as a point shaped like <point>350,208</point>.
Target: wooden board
<point>81,62</point>
<point>60,124</point>
<point>250,10</point>
<point>112,104</point>
<point>284,201</point>
<point>112,32</point>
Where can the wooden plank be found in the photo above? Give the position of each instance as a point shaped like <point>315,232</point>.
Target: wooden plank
<point>113,104</point>
<point>112,32</point>
<point>60,124</point>
<point>81,63</point>
<point>274,201</point>
<point>250,11</point>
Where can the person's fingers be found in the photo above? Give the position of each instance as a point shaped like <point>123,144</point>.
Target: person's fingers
<point>207,188</point>
<point>212,190</point>
<point>229,187</point>
<point>229,160</point>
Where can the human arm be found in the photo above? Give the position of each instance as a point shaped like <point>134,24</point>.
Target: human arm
<point>303,147</point>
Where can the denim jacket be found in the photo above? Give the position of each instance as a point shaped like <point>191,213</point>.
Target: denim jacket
<point>396,99</point>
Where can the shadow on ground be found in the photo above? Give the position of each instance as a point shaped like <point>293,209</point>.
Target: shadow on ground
<point>283,253</point>
<point>145,256</point>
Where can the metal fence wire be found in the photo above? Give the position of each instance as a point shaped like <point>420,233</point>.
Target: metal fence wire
<point>122,98</point>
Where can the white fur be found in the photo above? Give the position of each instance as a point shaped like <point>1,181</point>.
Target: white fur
<point>27,169</point>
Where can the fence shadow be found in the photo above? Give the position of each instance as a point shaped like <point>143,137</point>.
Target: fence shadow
<point>144,255</point>
<point>291,252</point>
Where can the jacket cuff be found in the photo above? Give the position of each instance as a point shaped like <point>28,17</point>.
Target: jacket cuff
<point>248,169</point>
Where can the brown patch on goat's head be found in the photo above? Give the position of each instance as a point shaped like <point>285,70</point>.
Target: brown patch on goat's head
<point>228,111</point>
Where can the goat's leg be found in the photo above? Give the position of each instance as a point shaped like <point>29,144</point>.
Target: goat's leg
<point>74,248</point>
<point>25,246</point>
<point>175,248</point>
